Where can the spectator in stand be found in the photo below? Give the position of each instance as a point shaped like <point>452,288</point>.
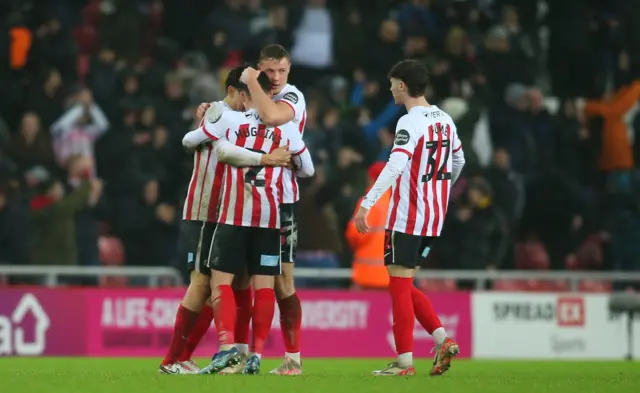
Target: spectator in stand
<point>616,153</point>
<point>14,230</point>
<point>53,221</point>
<point>147,223</point>
<point>31,146</point>
<point>78,129</point>
<point>476,235</point>
<point>87,225</point>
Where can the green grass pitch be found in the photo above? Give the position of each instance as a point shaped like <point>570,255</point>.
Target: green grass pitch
<point>81,375</point>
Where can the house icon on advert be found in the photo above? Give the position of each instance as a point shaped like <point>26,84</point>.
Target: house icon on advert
<point>13,335</point>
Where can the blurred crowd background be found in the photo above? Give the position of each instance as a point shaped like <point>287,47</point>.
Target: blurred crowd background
<point>96,96</point>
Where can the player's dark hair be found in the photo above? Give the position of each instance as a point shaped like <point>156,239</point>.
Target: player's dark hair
<point>263,80</point>
<point>414,74</point>
<point>233,78</point>
<point>274,51</point>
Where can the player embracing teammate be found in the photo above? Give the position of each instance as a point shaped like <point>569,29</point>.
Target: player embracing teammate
<point>425,161</point>
<point>283,107</point>
<point>246,241</point>
<point>200,212</point>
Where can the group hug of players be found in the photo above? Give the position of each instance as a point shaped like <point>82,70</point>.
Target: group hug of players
<point>239,221</point>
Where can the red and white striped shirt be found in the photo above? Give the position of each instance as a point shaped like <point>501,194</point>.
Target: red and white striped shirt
<point>295,99</point>
<point>203,194</point>
<point>250,196</point>
<point>426,159</point>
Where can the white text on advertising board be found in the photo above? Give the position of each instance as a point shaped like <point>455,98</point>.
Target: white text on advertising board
<point>12,334</point>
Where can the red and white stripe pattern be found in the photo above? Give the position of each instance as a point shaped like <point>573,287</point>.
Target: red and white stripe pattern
<point>290,191</point>
<point>420,197</point>
<point>251,196</point>
<point>203,194</point>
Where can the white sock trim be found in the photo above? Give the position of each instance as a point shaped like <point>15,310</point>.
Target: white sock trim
<point>405,359</point>
<point>439,335</point>
<point>295,356</point>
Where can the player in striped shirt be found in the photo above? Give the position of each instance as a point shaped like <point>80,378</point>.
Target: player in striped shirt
<point>199,221</point>
<point>248,233</point>
<point>425,161</point>
<point>287,107</point>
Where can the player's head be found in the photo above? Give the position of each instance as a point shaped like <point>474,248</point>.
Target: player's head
<point>233,85</point>
<point>409,79</point>
<point>245,95</point>
<point>275,61</point>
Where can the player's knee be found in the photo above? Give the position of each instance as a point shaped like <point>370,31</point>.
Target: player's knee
<point>401,271</point>
<point>197,293</point>
<point>260,282</point>
<point>284,286</point>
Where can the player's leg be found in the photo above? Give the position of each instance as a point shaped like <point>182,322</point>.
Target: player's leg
<point>288,300</point>
<point>226,258</point>
<point>206,314</point>
<point>446,348</point>
<point>401,256</point>
<point>193,233</point>
<point>244,305</point>
<point>244,309</point>
<point>264,265</point>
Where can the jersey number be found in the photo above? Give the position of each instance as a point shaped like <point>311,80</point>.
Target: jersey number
<point>255,174</point>
<point>433,147</point>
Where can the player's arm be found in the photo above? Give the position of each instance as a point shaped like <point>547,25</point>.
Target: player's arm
<point>403,147</point>
<point>301,158</point>
<point>213,127</point>
<point>237,156</point>
<point>303,163</point>
<point>457,157</point>
<point>273,113</point>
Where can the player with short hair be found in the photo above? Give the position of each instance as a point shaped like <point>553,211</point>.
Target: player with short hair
<point>425,161</point>
<point>248,231</point>
<point>286,107</point>
<point>199,222</point>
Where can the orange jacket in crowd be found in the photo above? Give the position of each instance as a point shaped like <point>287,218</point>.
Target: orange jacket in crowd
<point>368,270</point>
<point>20,46</point>
<point>616,153</point>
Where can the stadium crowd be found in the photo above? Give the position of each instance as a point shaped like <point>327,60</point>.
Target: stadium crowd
<point>98,94</point>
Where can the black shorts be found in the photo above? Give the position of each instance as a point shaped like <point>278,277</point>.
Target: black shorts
<point>405,250</point>
<point>196,242</point>
<point>237,250</point>
<point>288,232</point>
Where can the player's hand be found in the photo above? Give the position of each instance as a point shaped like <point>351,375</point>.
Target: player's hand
<point>248,74</point>
<point>202,109</point>
<point>279,157</point>
<point>361,220</point>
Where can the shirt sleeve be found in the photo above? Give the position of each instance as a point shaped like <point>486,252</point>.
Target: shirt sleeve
<point>303,163</point>
<point>396,164</point>
<point>213,127</point>
<point>457,157</point>
<point>406,139</point>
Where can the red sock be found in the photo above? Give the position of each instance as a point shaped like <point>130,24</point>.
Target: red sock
<point>425,314</point>
<point>199,330</point>
<point>185,320</point>
<point>403,316</point>
<point>290,322</point>
<point>244,309</point>
<point>263,311</point>
<point>224,314</point>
